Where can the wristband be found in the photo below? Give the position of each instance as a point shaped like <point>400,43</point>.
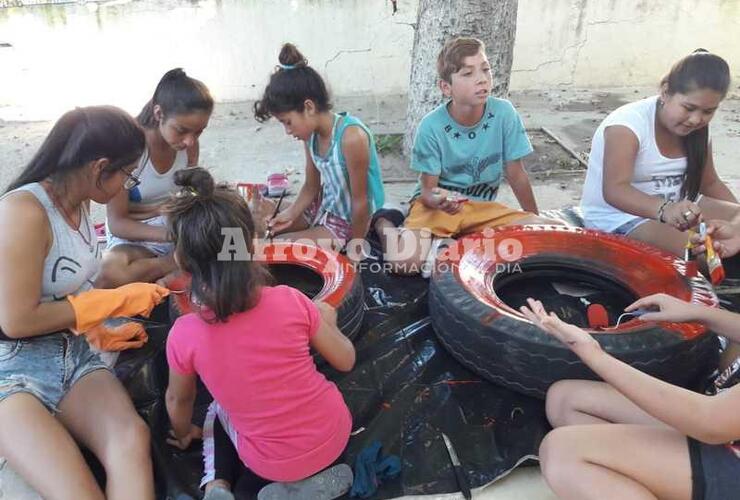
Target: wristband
<point>661,210</point>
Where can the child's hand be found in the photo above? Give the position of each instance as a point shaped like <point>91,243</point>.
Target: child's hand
<point>445,202</point>
<point>328,313</point>
<point>280,222</point>
<point>184,443</point>
<point>668,308</point>
<point>576,338</point>
<point>725,236</point>
<point>682,214</point>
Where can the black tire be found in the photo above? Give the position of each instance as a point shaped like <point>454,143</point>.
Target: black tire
<point>351,312</point>
<point>338,283</point>
<point>504,348</point>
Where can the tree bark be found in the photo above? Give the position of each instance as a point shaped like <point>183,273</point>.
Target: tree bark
<point>492,21</point>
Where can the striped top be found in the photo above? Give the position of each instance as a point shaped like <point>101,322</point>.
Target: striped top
<point>336,195</point>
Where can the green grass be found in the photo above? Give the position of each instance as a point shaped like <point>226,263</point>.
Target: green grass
<point>389,143</point>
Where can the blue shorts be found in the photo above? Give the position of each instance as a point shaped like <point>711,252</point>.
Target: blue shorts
<point>46,367</point>
<point>158,248</point>
<point>715,471</point>
<point>630,226</point>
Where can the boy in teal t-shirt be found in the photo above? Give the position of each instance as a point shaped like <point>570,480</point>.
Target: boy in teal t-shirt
<point>462,150</point>
<point>470,160</point>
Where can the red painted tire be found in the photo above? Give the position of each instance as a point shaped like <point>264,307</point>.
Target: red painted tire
<point>341,285</point>
<point>494,340</point>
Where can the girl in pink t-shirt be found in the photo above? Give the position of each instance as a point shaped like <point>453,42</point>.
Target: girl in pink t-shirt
<point>250,345</point>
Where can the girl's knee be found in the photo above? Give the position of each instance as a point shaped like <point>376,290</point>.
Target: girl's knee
<point>131,441</point>
<point>557,459</point>
<point>557,402</point>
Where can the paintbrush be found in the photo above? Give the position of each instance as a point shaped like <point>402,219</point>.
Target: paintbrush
<point>714,263</point>
<point>274,214</point>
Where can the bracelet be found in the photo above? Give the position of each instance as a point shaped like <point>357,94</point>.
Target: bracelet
<point>661,210</point>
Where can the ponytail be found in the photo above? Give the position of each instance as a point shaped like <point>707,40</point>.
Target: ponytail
<point>176,94</point>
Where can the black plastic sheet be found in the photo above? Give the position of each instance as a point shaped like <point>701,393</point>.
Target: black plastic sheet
<point>404,391</point>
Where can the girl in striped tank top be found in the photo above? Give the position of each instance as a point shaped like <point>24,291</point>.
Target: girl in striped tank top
<point>343,186</point>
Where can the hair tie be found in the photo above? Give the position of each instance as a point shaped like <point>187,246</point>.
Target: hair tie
<point>287,67</point>
<point>187,191</point>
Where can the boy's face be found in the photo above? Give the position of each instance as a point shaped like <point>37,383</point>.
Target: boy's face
<point>471,85</point>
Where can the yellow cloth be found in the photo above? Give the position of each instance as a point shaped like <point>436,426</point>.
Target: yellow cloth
<point>474,216</point>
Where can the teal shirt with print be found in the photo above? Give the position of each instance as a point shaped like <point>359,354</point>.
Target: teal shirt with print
<point>470,160</point>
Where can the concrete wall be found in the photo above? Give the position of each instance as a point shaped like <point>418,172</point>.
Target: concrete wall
<point>115,51</point>
<point>600,43</point>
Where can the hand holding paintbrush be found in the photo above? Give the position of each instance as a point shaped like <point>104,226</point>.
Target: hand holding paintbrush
<point>271,222</point>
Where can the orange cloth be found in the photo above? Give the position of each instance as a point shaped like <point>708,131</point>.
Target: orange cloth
<point>95,306</point>
<point>130,335</point>
<point>474,216</point>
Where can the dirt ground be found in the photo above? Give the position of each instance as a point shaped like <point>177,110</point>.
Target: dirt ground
<point>237,148</point>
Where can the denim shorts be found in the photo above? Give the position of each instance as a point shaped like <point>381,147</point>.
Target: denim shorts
<point>158,248</point>
<point>629,226</point>
<point>715,471</point>
<point>46,367</point>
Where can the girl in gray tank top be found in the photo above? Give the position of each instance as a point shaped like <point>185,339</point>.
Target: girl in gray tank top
<point>73,261</point>
<point>52,385</point>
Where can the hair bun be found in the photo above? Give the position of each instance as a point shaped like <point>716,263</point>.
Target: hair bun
<point>291,56</point>
<point>195,180</point>
<point>174,74</point>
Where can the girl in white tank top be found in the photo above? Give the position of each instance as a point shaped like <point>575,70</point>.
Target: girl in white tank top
<point>138,248</point>
<point>651,175</point>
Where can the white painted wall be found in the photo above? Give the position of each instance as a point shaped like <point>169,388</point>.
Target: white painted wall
<point>600,43</point>
<point>115,51</point>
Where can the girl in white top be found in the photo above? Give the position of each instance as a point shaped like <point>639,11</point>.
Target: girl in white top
<point>138,244</point>
<point>650,174</point>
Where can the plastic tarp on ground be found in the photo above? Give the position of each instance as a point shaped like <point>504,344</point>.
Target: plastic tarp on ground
<point>404,391</point>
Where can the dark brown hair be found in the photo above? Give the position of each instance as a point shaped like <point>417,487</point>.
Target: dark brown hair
<point>293,82</point>
<point>452,55</point>
<point>81,136</point>
<point>697,71</point>
<point>195,218</point>
<point>176,94</point>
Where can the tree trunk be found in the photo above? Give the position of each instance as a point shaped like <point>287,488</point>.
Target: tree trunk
<point>493,21</point>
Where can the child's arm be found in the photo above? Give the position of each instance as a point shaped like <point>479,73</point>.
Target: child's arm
<point>123,226</point>
<point>711,184</point>
<point>434,197</point>
<point>179,398</point>
<point>356,150</point>
<point>620,152</point>
<point>520,185</point>
<point>710,419</point>
<point>671,309</point>
<point>331,343</point>
<point>309,191</point>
